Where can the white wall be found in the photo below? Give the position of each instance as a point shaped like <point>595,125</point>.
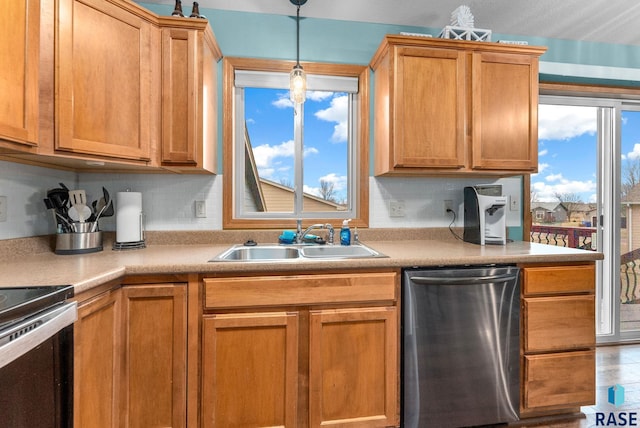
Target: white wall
<point>168,200</point>
<point>25,188</point>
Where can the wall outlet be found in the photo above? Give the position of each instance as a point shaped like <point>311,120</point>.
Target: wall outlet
<point>514,204</point>
<point>201,209</point>
<point>3,208</point>
<point>396,209</point>
<point>448,205</point>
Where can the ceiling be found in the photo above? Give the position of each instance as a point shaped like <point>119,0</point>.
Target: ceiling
<point>593,20</point>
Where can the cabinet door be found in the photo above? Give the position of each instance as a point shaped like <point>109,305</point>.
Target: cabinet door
<point>97,364</point>
<point>561,380</point>
<point>429,117</point>
<point>19,68</point>
<point>155,344</point>
<point>505,112</point>
<point>189,123</point>
<point>353,367</point>
<point>250,370</point>
<point>180,95</point>
<point>104,86</point>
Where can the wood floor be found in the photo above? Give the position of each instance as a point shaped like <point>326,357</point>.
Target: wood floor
<point>614,365</point>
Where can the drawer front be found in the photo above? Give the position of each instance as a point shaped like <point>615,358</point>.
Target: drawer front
<point>561,380</point>
<point>559,279</point>
<point>555,323</point>
<point>299,290</point>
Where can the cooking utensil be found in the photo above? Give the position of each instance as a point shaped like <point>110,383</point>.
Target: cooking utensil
<point>60,199</point>
<point>95,223</point>
<point>68,226</point>
<point>78,199</point>
<point>79,213</point>
<point>107,203</point>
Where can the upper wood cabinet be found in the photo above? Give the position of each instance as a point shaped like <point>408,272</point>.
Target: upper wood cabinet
<point>19,71</point>
<point>189,95</point>
<point>104,80</point>
<point>108,82</point>
<point>447,107</point>
<point>189,102</point>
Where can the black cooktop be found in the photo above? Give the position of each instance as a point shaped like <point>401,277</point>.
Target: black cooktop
<point>18,303</point>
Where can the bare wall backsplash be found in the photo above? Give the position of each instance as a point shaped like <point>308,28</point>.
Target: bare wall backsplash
<point>169,200</point>
<point>25,188</point>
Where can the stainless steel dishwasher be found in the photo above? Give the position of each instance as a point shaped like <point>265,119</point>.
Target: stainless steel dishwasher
<point>461,346</point>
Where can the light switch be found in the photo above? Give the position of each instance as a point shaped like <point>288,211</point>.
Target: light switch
<point>3,208</point>
<point>201,209</point>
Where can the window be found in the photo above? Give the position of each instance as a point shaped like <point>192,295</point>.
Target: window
<point>284,161</point>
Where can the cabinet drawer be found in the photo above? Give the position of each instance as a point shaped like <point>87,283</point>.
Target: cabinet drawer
<point>554,323</point>
<point>560,380</point>
<point>559,279</point>
<point>299,289</point>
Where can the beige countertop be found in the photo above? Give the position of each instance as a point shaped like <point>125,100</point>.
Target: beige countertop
<point>89,270</point>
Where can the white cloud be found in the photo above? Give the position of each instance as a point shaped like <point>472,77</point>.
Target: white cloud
<point>553,177</point>
<point>268,158</point>
<point>339,181</point>
<point>338,113</point>
<point>339,184</point>
<point>546,192</point>
<point>565,122</point>
<point>634,154</point>
<point>543,152</point>
<point>283,101</point>
<point>541,167</point>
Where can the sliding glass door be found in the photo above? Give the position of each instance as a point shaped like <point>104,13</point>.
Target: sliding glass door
<point>586,195</point>
<point>629,294</point>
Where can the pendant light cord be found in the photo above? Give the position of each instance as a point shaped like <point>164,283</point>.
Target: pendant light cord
<point>298,35</point>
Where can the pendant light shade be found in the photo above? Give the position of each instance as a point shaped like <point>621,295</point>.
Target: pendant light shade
<point>298,85</point>
<point>298,78</point>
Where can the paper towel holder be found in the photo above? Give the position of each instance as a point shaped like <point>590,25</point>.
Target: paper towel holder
<point>131,245</point>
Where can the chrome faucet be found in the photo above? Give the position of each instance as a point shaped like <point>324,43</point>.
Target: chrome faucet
<point>300,236</point>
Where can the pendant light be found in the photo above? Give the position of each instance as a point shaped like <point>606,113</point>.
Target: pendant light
<point>298,78</point>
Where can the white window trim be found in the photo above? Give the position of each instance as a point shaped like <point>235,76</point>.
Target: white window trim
<point>279,80</point>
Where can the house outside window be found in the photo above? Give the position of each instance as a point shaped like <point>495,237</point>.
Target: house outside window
<point>286,161</point>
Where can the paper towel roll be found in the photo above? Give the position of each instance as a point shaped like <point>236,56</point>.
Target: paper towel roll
<point>128,217</point>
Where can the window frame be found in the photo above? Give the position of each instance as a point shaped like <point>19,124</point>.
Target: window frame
<point>361,176</point>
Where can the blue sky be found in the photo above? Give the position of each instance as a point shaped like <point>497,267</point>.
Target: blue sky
<point>567,150</point>
<point>269,115</point>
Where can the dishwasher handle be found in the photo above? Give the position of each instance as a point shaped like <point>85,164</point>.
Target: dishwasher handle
<point>463,280</point>
<point>28,334</point>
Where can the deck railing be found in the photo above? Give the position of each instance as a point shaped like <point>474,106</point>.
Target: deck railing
<point>564,236</point>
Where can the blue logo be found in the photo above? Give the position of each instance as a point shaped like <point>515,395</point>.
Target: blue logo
<point>616,395</point>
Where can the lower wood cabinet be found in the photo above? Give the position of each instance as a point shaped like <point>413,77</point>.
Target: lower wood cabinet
<point>130,358</point>
<point>153,382</point>
<point>558,346</point>
<point>273,357</point>
<point>250,370</point>
<point>353,367</point>
<point>97,362</point>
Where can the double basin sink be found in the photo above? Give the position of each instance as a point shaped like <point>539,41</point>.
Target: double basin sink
<point>301,252</point>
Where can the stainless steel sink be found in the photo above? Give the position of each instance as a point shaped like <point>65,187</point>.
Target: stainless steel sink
<point>339,252</point>
<point>242,253</point>
<point>275,252</point>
